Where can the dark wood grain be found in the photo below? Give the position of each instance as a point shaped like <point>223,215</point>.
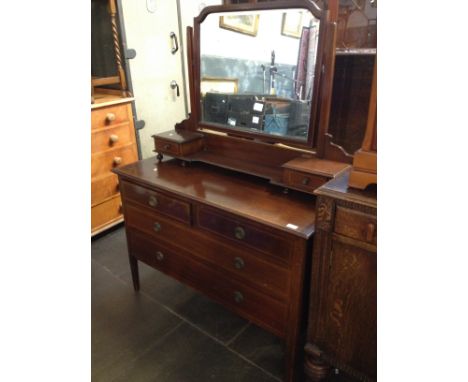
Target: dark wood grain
<point>248,197</point>
<point>342,330</point>
<point>261,309</point>
<point>247,244</point>
<point>157,201</point>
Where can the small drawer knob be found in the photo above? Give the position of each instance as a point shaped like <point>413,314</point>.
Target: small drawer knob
<point>157,227</point>
<point>159,256</point>
<point>153,201</point>
<point>239,263</point>
<point>238,297</point>
<point>167,147</point>
<point>306,181</point>
<point>114,138</point>
<point>110,117</point>
<point>117,160</point>
<point>239,233</point>
<point>370,232</point>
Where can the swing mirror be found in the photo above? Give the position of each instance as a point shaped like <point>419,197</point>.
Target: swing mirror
<point>258,72</point>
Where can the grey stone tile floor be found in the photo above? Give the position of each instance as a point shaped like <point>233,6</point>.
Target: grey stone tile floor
<point>167,332</point>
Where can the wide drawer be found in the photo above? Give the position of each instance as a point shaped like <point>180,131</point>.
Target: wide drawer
<point>302,180</point>
<point>104,162</point>
<point>112,137</point>
<point>103,188</point>
<point>106,213</point>
<point>110,115</point>
<point>157,201</point>
<point>356,225</point>
<point>252,267</point>
<point>242,232</point>
<point>181,264</point>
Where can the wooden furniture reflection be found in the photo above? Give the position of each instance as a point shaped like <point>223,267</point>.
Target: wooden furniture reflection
<point>365,159</point>
<point>112,145</point>
<point>250,254</point>
<point>342,331</point>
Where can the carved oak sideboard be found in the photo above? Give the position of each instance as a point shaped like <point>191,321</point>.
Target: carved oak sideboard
<point>342,330</point>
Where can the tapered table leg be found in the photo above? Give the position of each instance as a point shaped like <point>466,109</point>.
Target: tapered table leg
<point>135,274</point>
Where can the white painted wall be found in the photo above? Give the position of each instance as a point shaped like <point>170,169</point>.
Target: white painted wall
<point>154,67</point>
<point>189,9</point>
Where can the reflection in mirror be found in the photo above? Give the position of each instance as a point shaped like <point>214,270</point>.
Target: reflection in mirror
<point>257,71</point>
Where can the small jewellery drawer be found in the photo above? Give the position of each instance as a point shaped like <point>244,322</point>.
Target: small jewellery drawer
<point>104,187</point>
<point>180,264</point>
<point>156,201</point>
<point>302,180</point>
<point>105,161</point>
<point>106,212</point>
<point>111,115</point>
<point>110,137</point>
<point>243,232</point>
<point>356,225</point>
<point>167,147</point>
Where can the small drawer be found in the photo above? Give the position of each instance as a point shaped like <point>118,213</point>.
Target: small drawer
<point>167,147</point>
<point>103,188</point>
<point>242,232</point>
<point>112,137</point>
<point>102,163</point>
<point>154,224</point>
<point>302,180</point>
<point>356,225</point>
<point>178,144</point>
<point>111,115</point>
<point>156,201</point>
<point>106,213</point>
<point>181,264</point>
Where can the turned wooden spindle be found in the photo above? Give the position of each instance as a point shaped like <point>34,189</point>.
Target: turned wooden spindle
<point>118,56</point>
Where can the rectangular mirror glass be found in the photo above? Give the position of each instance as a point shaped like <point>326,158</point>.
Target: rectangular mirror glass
<point>257,71</point>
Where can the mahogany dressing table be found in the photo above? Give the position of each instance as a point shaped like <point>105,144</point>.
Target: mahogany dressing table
<point>227,206</point>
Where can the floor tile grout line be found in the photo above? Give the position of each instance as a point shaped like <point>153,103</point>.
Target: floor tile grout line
<point>196,327</point>
<point>155,343</point>
<point>228,343</point>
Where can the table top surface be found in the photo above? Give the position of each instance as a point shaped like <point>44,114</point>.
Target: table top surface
<point>244,195</point>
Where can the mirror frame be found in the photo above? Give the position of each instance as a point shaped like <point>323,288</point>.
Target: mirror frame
<point>317,128</point>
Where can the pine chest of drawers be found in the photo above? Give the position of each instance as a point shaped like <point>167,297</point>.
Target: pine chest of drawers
<point>112,145</point>
<point>233,237</point>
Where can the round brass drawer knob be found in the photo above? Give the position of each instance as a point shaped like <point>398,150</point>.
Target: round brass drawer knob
<point>157,227</point>
<point>159,256</point>
<point>305,181</point>
<point>113,138</point>
<point>239,233</point>
<point>167,147</point>
<point>239,263</point>
<point>110,117</point>
<point>117,160</point>
<point>238,297</point>
<point>153,201</point>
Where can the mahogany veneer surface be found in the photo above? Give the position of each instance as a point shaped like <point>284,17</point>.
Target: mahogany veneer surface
<point>234,237</point>
<point>244,195</point>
